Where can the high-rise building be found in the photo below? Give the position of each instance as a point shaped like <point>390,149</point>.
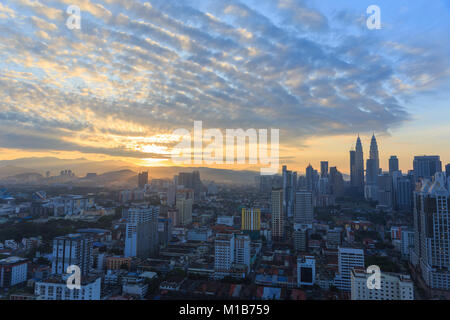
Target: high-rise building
<point>141,239</point>
<point>242,250</point>
<point>336,182</point>
<point>426,166</point>
<point>348,259</point>
<point>431,252</point>
<point>289,188</point>
<point>72,249</point>
<point>323,169</point>
<point>357,167</point>
<point>447,170</point>
<point>142,179</point>
<point>304,212</point>
<point>372,171</point>
<point>306,271</point>
<point>392,287</point>
<point>223,255</point>
<point>403,193</point>
<point>251,221</point>
<point>393,164</point>
<point>300,237</point>
<point>191,180</point>
<point>385,190</point>
<point>278,215</point>
<point>184,207</point>
<point>13,271</point>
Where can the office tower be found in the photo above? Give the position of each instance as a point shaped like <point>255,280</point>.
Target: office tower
<point>357,167</point>
<point>251,221</point>
<point>403,194</point>
<point>336,182</point>
<point>407,243</point>
<point>304,212</point>
<point>447,170</point>
<point>141,239</point>
<point>223,255</point>
<point>426,166</point>
<point>310,178</point>
<point>289,185</point>
<point>164,231</point>
<point>393,287</point>
<point>242,250</point>
<point>348,258</point>
<point>323,169</point>
<point>191,180</point>
<point>142,179</point>
<point>432,233</point>
<point>372,172</point>
<point>174,215</point>
<point>72,249</point>
<point>393,164</point>
<point>278,215</point>
<point>334,238</point>
<point>385,190</point>
<point>306,271</point>
<point>13,271</point>
<point>184,207</point>
<point>300,237</point>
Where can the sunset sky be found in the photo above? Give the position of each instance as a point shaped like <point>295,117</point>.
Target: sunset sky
<point>137,70</point>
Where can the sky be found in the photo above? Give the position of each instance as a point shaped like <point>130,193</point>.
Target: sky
<point>135,71</point>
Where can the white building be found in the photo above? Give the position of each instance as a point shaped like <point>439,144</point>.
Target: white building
<point>225,220</point>
<point>70,204</point>
<point>348,258</point>
<point>55,288</point>
<point>393,287</point>
<point>432,232</point>
<point>306,271</point>
<point>242,250</point>
<point>13,270</point>
<point>223,254</point>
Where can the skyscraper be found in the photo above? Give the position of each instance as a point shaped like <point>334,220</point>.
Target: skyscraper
<point>426,166</point>
<point>385,190</point>
<point>357,167</point>
<point>184,207</point>
<point>251,221</point>
<point>72,249</point>
<point>142,179</point>
<point>372,171</point>
<point>304,208</point>
<point>393,164</point>
<point>289,188</point>
<point>278,215</point>
<point>431,254</point>
<point>141,239</point>
<point>348,259</point>
<point>323,169</point>
<point>447,170</point>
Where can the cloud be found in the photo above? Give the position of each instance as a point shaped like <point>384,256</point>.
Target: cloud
<point>139,69</point>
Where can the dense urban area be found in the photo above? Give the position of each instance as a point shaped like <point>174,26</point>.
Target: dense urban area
<point>284,237</point>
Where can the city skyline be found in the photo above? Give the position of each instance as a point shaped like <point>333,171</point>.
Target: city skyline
<point>135,71</point>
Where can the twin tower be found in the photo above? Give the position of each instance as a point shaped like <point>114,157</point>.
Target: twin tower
<point>369,187</point>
